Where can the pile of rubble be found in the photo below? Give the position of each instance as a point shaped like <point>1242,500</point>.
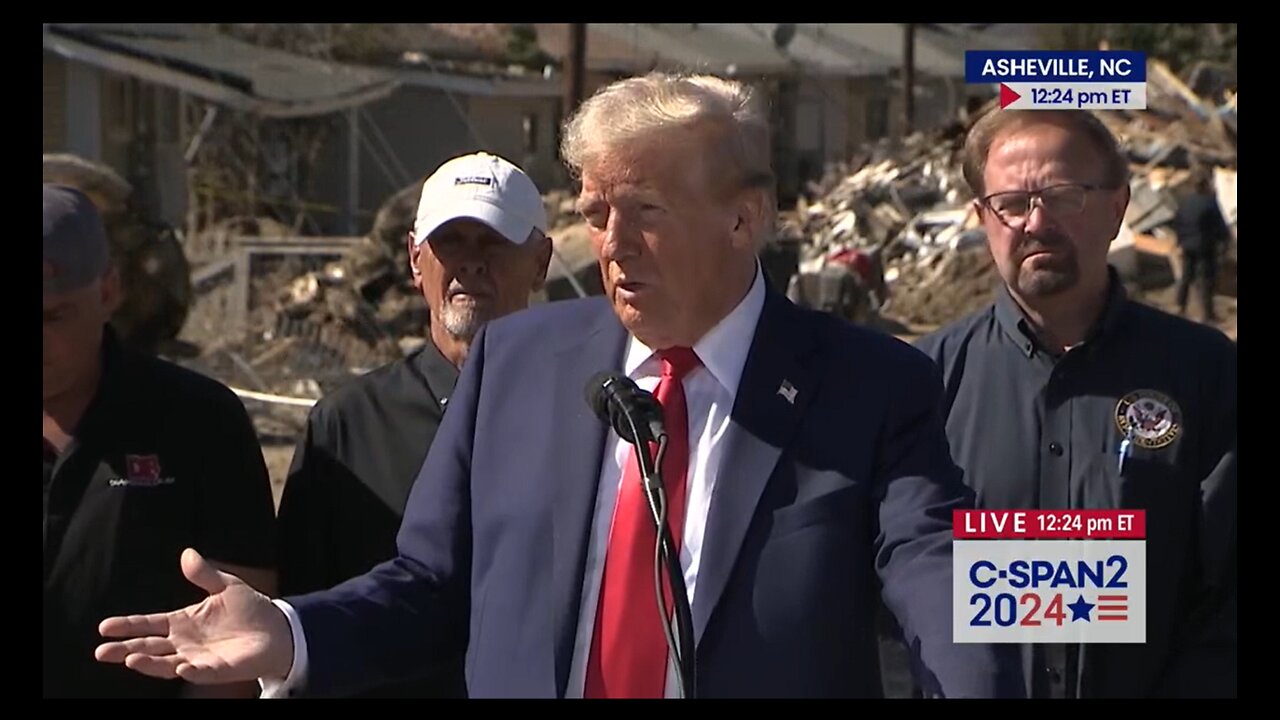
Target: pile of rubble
<point>903,205</point>
<point>905,208</point>
<point>311,321</point>
<point>897,219</point>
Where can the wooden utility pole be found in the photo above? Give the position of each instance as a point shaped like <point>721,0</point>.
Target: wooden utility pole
<point>908,78</point>
<point>575,67</point>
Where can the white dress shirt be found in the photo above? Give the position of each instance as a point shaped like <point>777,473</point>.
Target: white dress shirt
<point>710,391</point>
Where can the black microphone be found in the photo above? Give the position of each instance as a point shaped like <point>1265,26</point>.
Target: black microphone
<point>614,396</point>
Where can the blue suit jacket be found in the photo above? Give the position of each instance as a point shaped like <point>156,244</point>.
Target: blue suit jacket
<point>821,505</point>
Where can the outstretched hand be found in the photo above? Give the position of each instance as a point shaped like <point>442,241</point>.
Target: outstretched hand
<point>234,635</point>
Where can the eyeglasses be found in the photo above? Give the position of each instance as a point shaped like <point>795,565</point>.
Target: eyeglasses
<point>1063,200</point>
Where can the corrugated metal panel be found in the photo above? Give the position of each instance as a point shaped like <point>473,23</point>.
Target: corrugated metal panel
<point>886,39</point>
<point>218,68</point>
<point>688,46</point>
<point>814,56</point>
<point>530,87</point>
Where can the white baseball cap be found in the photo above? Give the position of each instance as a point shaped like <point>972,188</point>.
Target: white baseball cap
<point>482,187</point>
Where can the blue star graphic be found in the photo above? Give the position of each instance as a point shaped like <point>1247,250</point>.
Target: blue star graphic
<point>1080,609</point>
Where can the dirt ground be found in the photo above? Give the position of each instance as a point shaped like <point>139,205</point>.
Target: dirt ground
<point>1224,306</point>
<point>278,457</point>
<point>278,429</point>
<point>945,287</point>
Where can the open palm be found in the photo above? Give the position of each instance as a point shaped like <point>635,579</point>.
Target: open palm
<point>236,634</point>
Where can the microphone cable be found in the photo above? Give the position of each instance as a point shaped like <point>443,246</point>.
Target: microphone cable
<point>681,639</point>
<point>664,557</point>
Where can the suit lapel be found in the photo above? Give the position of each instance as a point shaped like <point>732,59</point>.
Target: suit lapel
<point>579,442</point>
<point>778,382</point>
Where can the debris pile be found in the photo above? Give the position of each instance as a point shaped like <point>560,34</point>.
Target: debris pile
<point>889,235</point>
<point>147,252</point>
<point>311,321</point>
<point>562,208</point>
<point>905,206</point>
<point>1178,127</point>
<point>942,286</point>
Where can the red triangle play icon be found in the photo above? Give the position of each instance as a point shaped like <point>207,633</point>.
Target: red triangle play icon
<point>1007,95</point>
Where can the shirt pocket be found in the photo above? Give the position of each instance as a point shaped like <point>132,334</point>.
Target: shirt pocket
<point>1154,480</point>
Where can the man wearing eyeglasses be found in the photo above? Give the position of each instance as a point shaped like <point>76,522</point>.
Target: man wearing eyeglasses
<point>1065,393</point>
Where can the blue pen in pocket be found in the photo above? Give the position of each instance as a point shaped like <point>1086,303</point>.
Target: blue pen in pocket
<point>1125,444</point>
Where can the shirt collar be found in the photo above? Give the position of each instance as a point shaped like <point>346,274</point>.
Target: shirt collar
<point>98,414</point>
<point>723,350</point>
<point>435,370</point>
<point>1023,333</point>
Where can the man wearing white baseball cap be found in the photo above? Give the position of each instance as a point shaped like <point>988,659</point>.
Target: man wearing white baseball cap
<point>478,247</point>
<point>482,187</point>
<point>477,251</point>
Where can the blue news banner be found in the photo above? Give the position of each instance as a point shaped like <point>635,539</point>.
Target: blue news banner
<point>1068,80</point>
<point>1050,576</point>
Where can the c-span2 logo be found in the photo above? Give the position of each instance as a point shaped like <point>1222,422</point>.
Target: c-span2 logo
<point>1041,576</point>
<point>1073,80</point>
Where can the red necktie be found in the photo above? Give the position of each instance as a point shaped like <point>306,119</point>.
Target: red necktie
<point>629,647</point>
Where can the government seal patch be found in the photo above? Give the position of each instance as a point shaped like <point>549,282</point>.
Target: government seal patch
<point>1151,419</point>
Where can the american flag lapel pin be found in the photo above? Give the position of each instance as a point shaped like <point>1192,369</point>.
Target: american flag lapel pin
<point>788,391</point>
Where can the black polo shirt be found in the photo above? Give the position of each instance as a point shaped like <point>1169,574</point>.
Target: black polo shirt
<point>163,459</point>
<point>349,482</point>
<point>1036,430</point>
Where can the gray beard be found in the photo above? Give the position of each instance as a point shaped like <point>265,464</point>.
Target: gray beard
<point>462,323</point>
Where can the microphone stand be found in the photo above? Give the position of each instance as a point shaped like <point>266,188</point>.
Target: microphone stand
<point>680,642</point>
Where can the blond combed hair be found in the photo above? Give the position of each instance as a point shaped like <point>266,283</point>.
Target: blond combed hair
<point>643,109</point>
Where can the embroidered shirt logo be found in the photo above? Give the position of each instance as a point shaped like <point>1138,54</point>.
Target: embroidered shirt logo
<point>141,471</point>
